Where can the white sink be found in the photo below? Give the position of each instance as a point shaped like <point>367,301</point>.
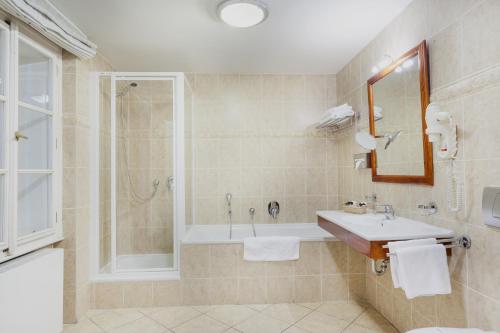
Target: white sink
<point>375,227</point>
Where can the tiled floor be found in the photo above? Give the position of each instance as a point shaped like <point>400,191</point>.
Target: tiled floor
<point>288,318</point>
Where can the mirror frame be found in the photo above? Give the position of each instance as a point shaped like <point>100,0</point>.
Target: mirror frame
<point>428,177</point>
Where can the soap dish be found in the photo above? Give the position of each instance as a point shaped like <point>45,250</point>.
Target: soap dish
<point>354,208</point>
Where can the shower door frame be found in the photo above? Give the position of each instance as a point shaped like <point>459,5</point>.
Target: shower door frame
<point>178,144</point>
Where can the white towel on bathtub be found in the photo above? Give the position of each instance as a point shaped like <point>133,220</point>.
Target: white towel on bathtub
<point>271,248</point>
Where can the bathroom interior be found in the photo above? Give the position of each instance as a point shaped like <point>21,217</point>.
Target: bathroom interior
<point>264,166</point>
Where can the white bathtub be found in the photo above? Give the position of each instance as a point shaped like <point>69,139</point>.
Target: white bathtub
<point>219,234</point>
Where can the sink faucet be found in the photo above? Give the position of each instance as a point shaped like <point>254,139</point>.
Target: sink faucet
<point>388,211</point>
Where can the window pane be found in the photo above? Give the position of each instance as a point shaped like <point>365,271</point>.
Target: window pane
<point>34,198</point>
<point>3,129</point>
<point>2,207</point>
<point>3,59</point>
<point>34,77</point>
<point>35,151</point>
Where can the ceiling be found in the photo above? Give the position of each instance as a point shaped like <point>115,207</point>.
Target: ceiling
<point>299,36</point>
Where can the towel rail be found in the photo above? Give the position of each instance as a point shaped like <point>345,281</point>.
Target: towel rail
<point>463,241</point>
<point>338,124</point>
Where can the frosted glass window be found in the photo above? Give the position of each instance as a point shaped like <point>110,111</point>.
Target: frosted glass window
<point>35,151</point>
<point>4,35</point>
<point>34,203</point>
<point>34,77</point>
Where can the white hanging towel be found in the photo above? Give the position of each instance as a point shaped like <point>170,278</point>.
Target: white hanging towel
<point>423,270</point>
<point>393,246</point>
<point>271,248</point>
<point>338,112</point>
<point>377,112</point>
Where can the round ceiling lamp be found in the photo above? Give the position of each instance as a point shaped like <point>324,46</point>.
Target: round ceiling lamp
<point>242,13</point>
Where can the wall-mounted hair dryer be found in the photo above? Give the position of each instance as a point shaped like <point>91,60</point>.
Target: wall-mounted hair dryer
<point>442,131</point>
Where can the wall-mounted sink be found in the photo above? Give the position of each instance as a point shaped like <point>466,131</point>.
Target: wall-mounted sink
<point>368,232</point>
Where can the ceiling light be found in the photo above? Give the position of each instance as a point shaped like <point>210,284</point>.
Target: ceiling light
<point>242,13</point>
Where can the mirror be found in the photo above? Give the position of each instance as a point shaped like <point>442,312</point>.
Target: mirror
<point>398,97</point>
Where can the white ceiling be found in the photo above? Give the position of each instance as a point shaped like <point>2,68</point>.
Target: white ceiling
<point>299,36</point>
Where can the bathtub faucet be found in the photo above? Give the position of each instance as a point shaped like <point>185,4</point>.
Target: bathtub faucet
<point>274,209</point>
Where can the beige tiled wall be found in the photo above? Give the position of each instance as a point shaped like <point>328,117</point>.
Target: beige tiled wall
<point>464,69</point>
<point>253,138</point>
<point>217,274</point>
<point>76,186</point>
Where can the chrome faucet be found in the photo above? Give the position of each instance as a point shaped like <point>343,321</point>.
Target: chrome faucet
<point>274,209</point>
<point>388,211</point>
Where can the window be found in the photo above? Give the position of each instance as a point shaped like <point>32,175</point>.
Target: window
<point>30,153</point>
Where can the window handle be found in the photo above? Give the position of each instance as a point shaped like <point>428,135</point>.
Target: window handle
<point>20,136</point>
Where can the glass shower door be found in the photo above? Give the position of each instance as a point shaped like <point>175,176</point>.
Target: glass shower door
<point>143,122</point>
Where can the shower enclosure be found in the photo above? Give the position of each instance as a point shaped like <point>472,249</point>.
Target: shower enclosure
<point>140,169</point>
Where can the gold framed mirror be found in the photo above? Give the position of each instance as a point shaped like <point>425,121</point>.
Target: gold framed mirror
<point>398,97</point>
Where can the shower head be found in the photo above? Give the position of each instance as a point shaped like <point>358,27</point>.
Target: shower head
<point>126,89</point>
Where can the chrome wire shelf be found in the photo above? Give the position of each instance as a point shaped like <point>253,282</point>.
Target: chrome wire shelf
<point>340,123</point>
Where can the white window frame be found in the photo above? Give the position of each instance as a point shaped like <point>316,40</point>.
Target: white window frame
<point>3,133</point>
<point>21,245</point>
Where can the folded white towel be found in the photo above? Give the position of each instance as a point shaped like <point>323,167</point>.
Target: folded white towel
<point>423,270</point>
<point>393,246</point>
<point>338,112</point>
<point>271,248</point>
<point>377,112</point>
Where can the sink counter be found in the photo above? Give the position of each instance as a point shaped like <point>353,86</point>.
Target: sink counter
<point>367,233</point>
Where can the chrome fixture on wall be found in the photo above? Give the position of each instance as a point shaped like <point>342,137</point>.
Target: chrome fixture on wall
<point>387,210</point>
<point>229,197</point>
<point>274,209</point>
<point>251,211</point>
<point>427,209</point>
<point>391,137</point>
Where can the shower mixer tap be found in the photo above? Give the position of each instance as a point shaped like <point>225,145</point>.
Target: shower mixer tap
<point>274,209</point>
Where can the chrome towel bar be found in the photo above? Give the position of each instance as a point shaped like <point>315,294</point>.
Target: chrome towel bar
<point>463,241</point>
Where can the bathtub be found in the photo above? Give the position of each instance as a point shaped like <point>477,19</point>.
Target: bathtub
<point>219,233</point>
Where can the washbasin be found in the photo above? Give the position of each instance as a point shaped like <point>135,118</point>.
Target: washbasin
<point>376,227</point>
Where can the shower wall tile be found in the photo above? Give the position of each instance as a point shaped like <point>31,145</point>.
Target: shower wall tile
<point>463,54</point>
<point>254,138</point>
